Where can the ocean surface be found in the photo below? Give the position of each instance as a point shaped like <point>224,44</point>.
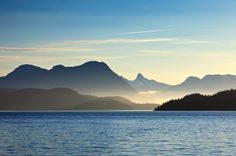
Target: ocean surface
<point>118,133</point>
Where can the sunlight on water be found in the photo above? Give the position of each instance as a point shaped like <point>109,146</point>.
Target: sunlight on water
<point>118,133</point>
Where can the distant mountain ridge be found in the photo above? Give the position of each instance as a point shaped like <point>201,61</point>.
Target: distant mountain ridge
<point>89,78</point>
<point>62,99</point>
<point>161,92</point>
<point>224,100</point>
<point>207,84</point>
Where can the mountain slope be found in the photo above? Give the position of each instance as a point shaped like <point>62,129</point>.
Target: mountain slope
<point>89,78</point>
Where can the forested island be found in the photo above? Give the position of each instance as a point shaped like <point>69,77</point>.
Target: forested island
<point>224,100</point>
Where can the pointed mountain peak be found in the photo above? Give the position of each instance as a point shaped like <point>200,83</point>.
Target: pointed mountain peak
<point>140,77</point>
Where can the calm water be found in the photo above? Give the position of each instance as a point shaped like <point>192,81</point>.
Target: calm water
<point>118,133</point>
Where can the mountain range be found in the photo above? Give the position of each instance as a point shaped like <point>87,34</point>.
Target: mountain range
<point>96,78</point>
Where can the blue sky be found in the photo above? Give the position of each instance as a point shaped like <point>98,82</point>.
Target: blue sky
<point>166,40</point>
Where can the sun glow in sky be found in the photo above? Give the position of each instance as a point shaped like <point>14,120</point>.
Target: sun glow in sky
<point>164,40</point>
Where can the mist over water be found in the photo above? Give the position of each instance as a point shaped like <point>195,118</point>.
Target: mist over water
<point>118,133</point>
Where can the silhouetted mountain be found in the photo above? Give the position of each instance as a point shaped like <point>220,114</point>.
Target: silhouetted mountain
<point>61,99</point>
<point>225,100</point>
<point>89,78</point>
<point>143,84</point>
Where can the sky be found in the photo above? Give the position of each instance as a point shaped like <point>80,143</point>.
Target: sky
<point>165,40</point>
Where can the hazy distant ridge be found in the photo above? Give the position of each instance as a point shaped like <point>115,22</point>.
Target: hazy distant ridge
<point>62,99</point>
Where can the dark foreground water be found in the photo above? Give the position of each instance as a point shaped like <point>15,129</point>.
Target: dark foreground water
<point>118,133</point>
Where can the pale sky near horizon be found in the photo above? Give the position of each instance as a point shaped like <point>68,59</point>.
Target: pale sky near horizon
<point>165,40</point>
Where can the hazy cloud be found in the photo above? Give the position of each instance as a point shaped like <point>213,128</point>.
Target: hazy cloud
<point>119,41</point>
<point>184,41</point>
<point>154,52</point>
<point>130,41</point>
<point>76,45</point>
<point>145,31</point>
<point>150,92</point>
<point>46,49</point>
<point>21,58</point>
